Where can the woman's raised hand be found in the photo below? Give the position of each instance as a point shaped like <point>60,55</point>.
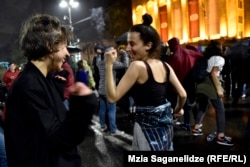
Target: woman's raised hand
<point>110,56</point>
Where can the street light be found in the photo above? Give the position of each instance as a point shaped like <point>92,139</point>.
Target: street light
<point>69,4</point>
<point>73,45</point>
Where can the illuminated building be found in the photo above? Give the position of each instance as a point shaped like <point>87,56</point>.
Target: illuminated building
<point>196,20</point>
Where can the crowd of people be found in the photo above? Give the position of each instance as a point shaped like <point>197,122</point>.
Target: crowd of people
<point>49,119</point>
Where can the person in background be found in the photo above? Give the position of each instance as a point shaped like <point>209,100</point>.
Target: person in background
<point>124,103</point>
<point>3,93</point>
<point>70,80</point>
<point>72,62</point>
<point>10,75</point>
<point>147,78</point>
<point>106,108</point>
<point>182,60</point>
<point>3,158</point>
<point>39,131</point>
<point>84,74</point>
<point>210,91</point>
<point>99,49</point>
<point>65,79</point>
<point>226,74</point>
<point>91,80</point>
<point>122,57</point>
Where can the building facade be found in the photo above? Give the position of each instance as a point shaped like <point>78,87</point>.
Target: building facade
<point>196,20</point>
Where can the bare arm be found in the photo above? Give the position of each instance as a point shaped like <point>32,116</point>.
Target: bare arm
<point>182,96</point>
<point>216,81</point>
<point>130,77</point>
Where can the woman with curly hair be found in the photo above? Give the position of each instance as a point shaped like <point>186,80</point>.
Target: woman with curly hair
<point>39,131</point>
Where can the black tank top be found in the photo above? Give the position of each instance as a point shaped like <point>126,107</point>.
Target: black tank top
<point>150,93</point>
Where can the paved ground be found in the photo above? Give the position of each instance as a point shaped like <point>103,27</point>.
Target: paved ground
<point>102,149</point>
<point>236,120</point>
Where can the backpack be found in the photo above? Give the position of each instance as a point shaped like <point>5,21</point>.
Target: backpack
<point>199,70</point>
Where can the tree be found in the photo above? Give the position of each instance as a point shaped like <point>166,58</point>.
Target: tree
<point>118,19</point>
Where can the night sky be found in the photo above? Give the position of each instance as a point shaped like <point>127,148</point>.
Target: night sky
<point>14,12</point>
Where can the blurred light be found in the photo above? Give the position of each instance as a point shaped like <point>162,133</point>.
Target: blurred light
<point>71,3</point>
<point>162,2</point>
<point>63,4</point>
<point>65,17</point>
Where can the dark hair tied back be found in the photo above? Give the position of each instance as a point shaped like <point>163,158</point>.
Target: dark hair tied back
<point>147,19</point>
<point>148,34</point>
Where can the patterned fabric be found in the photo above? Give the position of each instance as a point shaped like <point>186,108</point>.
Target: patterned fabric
<point>159,138</point>
<point>157,125</point>
<point>154,116</point>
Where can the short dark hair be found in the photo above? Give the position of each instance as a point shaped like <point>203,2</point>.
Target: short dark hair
<point>99,46</point>
<point>41,34</point>
<point>80,64</point>
<point>213,48</point>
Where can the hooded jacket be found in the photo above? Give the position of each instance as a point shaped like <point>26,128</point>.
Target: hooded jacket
<point>183,59</point>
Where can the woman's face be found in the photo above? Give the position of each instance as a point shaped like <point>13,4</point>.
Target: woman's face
<point>59,57</point>
<point>136,48</point>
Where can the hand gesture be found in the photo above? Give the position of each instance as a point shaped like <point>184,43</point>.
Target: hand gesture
<point>110,56</point>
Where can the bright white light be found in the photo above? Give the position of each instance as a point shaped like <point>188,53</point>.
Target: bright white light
<point>72,4</point>
<point>63,4</point>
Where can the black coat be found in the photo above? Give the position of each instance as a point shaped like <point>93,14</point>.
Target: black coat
<point>39,132</point>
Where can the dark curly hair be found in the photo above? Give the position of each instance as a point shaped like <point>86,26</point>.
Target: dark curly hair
<point>148,34</point>
<point>41,34</point>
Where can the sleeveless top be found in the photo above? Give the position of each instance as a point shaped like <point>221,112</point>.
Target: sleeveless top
<point>150,93</point>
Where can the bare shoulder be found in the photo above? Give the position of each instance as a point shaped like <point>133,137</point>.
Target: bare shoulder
<point>136,68</point>
<point>137,64</point>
